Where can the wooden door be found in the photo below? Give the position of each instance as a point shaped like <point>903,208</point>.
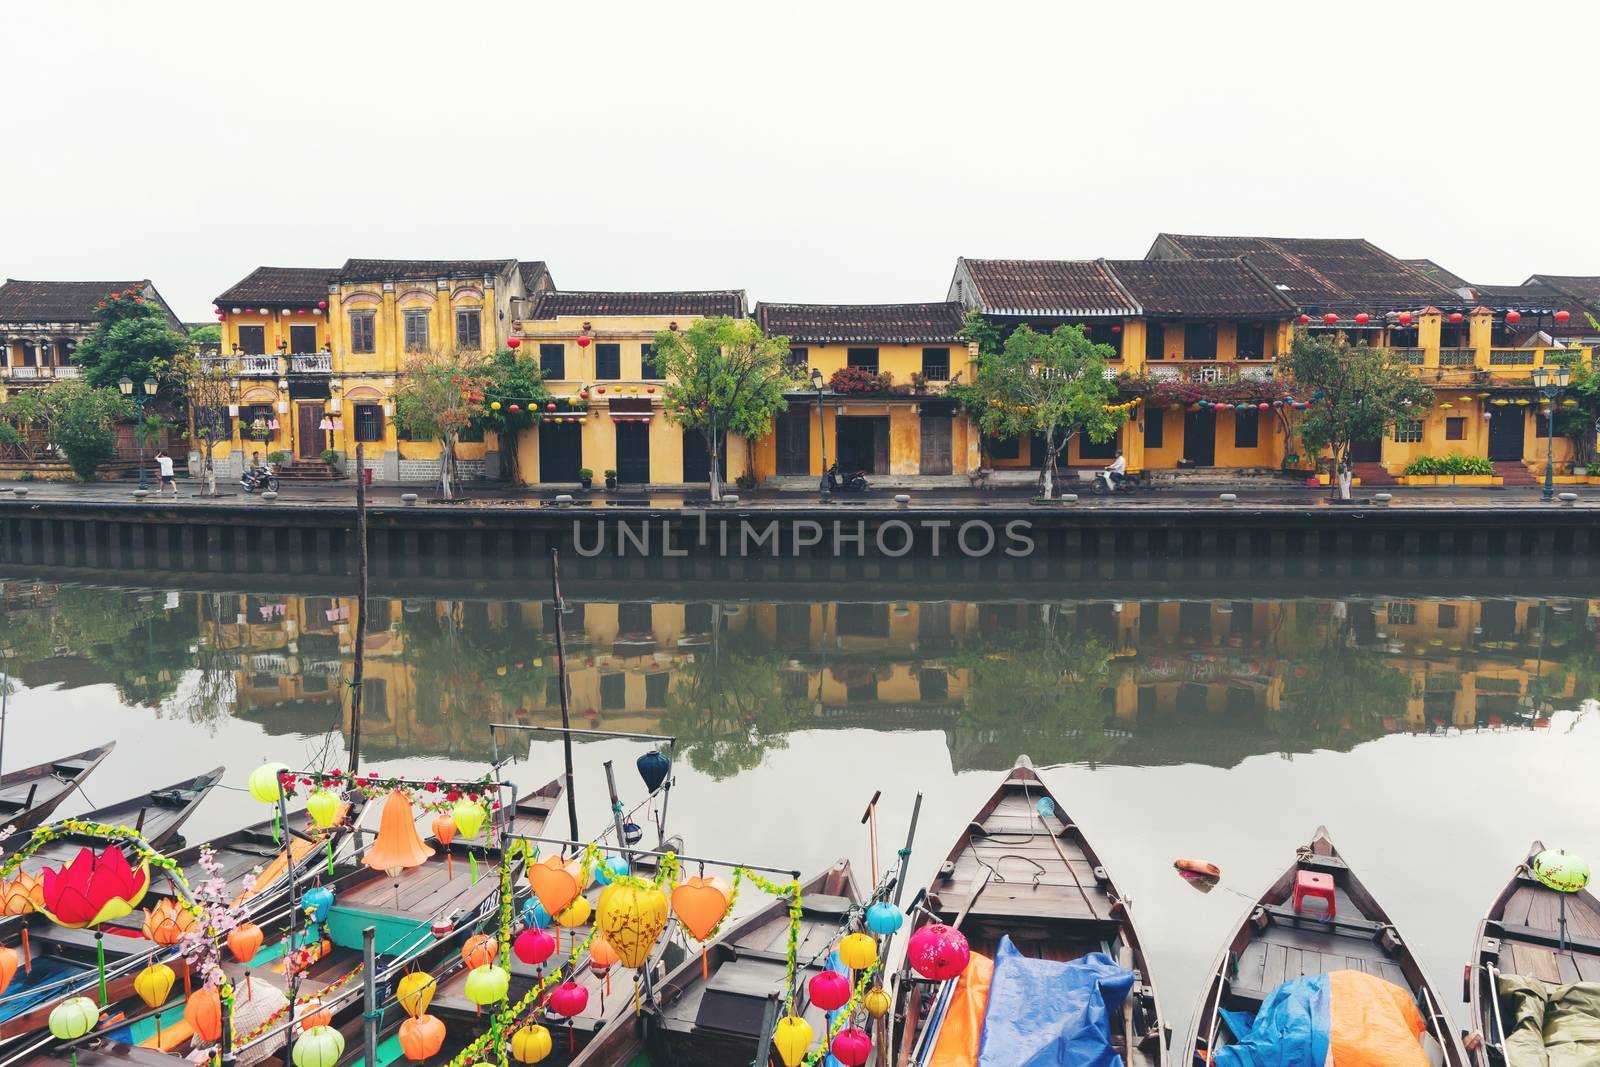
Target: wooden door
<point>560,451</point>
<point>1507,431</point>
<point>697,461</point>
<point>880,445</point>
<point>633,453</point>
<point>936,448</point>
<point>794,443</point>
<point>302,339</point>
<point>312,438</point>
<point>1367,450</point>
<point>1200,437</point>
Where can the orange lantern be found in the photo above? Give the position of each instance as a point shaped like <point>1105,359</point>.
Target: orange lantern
<point>479,951</point>
<point>166,923</point>
<point>444,829</point>
<point>398,846</point>
<point>421,1037</point>
<point>602,957</point>
<point>9,961</point>
<point>312,1014</point>
<point>700,904</point>
<point>21,895</point>
<point>203,1012</point>
<point>555,882</point>
<point>243,941</point>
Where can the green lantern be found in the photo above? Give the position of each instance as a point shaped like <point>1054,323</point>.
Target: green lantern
<point>323,807</point>
<point>73,1018</point>
<point>1565,873</point>
<point>264,784</point>
<point>468,817</point>
<point>320,1046</point>
<point>487,984</point>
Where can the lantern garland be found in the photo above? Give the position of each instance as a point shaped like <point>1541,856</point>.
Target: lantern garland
<point>1127,405</point>
<point>435,795</point>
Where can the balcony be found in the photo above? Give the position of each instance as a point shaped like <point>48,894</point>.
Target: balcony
<point>1408,357</point>
<point>217,364</point>
<point>1210,370</point>
<point>258,366</point>
<point>1457,357</point>
<point>311,363</point>
<point>1513,357</point>
<point>26,374</point>
<point>35,374</point>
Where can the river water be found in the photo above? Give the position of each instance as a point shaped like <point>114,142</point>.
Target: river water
<point>1434,736</point>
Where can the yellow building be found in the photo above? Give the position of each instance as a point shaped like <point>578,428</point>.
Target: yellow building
<point>884,369</point>
<point>316,353</point>
<point>596,353</point>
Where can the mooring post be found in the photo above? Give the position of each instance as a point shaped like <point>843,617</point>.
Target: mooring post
<point>561,673</point>
<point>369,960</point>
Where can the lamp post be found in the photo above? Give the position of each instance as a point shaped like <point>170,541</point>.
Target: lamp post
<point>1549,382</point>
<point>147,390</point>
<point>822,435</point>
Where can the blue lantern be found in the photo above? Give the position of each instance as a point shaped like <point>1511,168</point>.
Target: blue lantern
<point>317,901</point>
<point>1046,806</point>
<point>534,915</point>
<point>884,918</point>
<point>631,834</point>
<point>610,867</point>
<point>653,768</point>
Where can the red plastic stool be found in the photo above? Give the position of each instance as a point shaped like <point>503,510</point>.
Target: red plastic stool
<point>1314,884</point>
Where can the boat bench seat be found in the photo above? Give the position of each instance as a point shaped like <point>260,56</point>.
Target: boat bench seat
<point>1345,924</point>
<point>1550,938</point>
<point>820,904</point>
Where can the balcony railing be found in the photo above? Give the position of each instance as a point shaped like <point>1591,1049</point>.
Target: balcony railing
<point>34,374</point>
<point>1456,357</point>
<point>1513,357</point>
<point>25,373</point>
<point>1195,370</point>
<point>258,366</point>
<point>311,363</point>
<point>217,364</point>
<point>1407,357</point>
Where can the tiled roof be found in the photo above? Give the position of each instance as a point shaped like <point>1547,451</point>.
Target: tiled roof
<point>1432,270</point>
<point>1319,272</point>
<point>1531,296</point>
<point>377,270</point>
<point>938,323</point>
<point>533,272</point>
<point>555,302</point>
<point>1045,287</point>
<point>282,285</point>
<point>1582,288</point>
<point>22,301</point>
<point>1219,288</point>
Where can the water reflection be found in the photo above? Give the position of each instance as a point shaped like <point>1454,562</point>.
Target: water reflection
<point>1098,682</point>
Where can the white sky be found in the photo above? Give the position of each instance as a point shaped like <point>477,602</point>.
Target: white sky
<point>806,152</point>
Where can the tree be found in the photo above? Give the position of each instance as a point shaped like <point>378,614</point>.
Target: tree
<point>208,333</point>
<point>25,423</point>
<point>724,376</point>
<point>511,381</point>
<point>83,423</point>
<point>1580,422</point>
<point>1052,384</point>
<point>131,339</point>
<point>439,395</point>
<point>1356,394</point>
<point>206,389</point>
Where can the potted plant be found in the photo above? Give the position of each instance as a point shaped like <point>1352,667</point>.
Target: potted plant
<point>611,479</point>
<point>278,458</point>
<point>334,460</point>
<point>585,477</point>
<point>919,384</point>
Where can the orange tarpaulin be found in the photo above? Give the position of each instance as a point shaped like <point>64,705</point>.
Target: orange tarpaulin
<point>957,1045</point>
<point>1375,1023</point>
<point>273,871</point>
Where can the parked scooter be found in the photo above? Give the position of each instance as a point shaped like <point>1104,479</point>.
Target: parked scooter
<point>258,478</point>
<point>853,482</point>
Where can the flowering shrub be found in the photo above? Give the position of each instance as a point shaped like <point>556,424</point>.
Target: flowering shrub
<point>860,380</point>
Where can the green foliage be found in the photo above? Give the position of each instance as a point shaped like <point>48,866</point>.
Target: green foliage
<point>511,379</point>
<point>332,458</point>
<point>209,333</point>
<point>729,707</point>
<point>1578,422</point>
<point>24,420</point>
<point>83,423</point>
<point>278,458</point>
<point>131,338</point>
<point>1453,463</point>
<point>438,396</point>
<point>859,380</point>
<point>985,333</point>
<point>585,474</point>
<point>1051,384</point>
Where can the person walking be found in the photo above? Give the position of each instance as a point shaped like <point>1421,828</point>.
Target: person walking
<point>168,477</point>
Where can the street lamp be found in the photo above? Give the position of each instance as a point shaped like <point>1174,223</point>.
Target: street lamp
<point>125,387</point>
<point>822,435</point>
<point>1548,382</point>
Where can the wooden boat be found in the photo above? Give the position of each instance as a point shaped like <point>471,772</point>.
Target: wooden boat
<point>1276,943</point>
<point>28,796</point>
<point>720,1019</point>
<point>1522,935</point>
<point>157,815</point>
<point>1017,872</point>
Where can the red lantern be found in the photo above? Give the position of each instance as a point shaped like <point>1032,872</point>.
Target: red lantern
<point>830,990</point>
<point>1264,406</point>
<point>583,394</point>
<point>1330,318</point>
<point>1563,316</point>
<point>513,342</point>
<point>1513,317</point>
<point>513,409</point>
<point>1304,320</point>
<point>650,389</point>
<point>583,342</point>
<point>1363,318</point>
<point>851,1046</point>
<point>1455,316</point>
<point>322,303</point>
<point>1405,318</point>
<point>549,407</point>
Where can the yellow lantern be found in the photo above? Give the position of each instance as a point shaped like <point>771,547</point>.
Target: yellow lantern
<point>574,914</point>
<point>415,992</point>
<point>153,984</point>
<point>531,1043</point>
<point>264,784</point>
<point>468,817</point>
<point>631,916</point>
<point>858,951</point>
<point>877,1002</point>
<point>323,807</point>
<point>792,1037</point>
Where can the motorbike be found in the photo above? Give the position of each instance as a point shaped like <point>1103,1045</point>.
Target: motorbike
<point>1103,484</point>
<point>257,478</point>
<point>852,482</point>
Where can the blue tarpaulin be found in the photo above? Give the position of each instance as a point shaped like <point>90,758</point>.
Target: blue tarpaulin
<point>1044,1013</point>
<point>1290,1030</point>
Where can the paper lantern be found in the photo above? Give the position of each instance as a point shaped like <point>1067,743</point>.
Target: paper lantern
<point>1455,316</point>
<point>468,816</point>
<point>877,1002</point>
<point>494,405</point>
<point>312,1014</point>
<point>1405,318</point>
<point>153,984</point>
<point>316,902</point>
<point>21,895</point>
<point>1513,317</point>
<point>1363,318</point>
<point>1264,406</point>
<point>549,407</point>
<point>632,917</point>
<point>1563,316</point>
<point>851,1046</point>
<point>534,915</point>
<point>320,1046</point>
<point>264,784</point>
<point>653,768</point>
<point>602,956</point>
<point>1330,318</point>
<point>700,904</point>
<point>575,914</point>
<point>531,1043</point>
<point>1304,320</point>
<point>487,985</point>
<point>203,1012</point>
<point>73,1017</point>
<point>398,845</point>
<point>568,999</point>
<point>444,829</point>
<point>1561,870</point>
<point>479,951</point>
<point>533,947</point>
<point>415,992</point>
<point>554,880</point>
<point>938,952</point>
<point>884,918</point>
<point>243,941</point>
<point>93,889</point>
<point>609,868</point>
<point>513,342</point>
<point>322,303</point>
<point>421,1037</point>
<point>830,990</point>
<point>791,1037</point>
<point>583,342</point>
<point>9,962</point>
<point>166,922</point>
<point>858,951</point>
<point>323,807</point>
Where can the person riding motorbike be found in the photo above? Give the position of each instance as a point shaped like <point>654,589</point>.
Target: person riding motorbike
<point>1118,470</point>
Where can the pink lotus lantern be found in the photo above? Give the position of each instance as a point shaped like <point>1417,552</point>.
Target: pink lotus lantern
<point>938,952</point>
<point>93,889</point>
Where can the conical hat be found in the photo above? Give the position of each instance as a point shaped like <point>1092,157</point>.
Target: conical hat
<point>398,844</point>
